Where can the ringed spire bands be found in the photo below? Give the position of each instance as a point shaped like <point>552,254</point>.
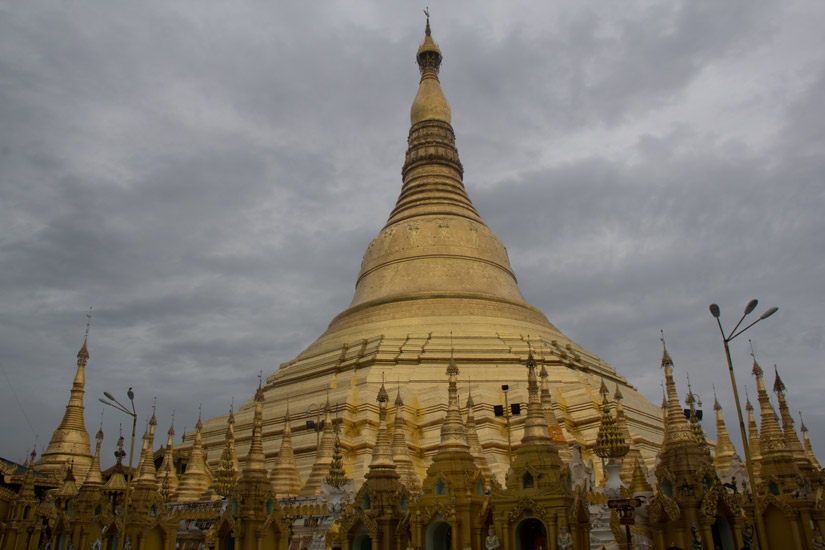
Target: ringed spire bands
<point>435,282</point>
<point>434,249</point>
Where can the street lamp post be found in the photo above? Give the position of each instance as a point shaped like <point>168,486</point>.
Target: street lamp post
<point>714,310</point>
<point>122,408</point>
<point>504,388</point>
<point>507,410</point>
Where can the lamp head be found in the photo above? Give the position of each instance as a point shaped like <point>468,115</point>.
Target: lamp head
<point>751,306</point>
<point>769,313</point>
<point>109,395</point>
<point>714,310</point>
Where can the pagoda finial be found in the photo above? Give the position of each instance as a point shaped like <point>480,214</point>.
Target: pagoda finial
<point>778,385</point>
<point>716,405</point>
<point>689,400</point>
<point>427,13</point>
<point>470,402</point>
<point>83,354</point>
<point>666,360</point>
<point>383,396</point>
<point>603,391</point>
<point>757,370</point>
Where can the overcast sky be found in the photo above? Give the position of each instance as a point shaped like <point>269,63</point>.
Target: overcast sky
<point>207,175</point>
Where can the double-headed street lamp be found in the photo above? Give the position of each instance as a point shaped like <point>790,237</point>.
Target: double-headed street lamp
<point>122,408</point>
<point>714,310</point>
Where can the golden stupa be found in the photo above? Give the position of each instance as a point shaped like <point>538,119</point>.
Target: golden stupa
<point>434,282</point>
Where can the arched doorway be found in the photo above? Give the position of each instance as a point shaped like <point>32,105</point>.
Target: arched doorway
<point>439,536</point>
<point>722,534</point>
<point>228,541</point>
<point>362,542</point>
<point>531,535</point>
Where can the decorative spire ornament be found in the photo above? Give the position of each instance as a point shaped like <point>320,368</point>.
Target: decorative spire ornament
<point>400,450</point>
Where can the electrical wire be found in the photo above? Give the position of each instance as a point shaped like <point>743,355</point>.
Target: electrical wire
<point>14,393</point>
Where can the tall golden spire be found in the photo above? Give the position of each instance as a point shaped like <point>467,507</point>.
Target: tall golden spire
<point>473,441</point>
<point>27,487</point>
<point>546,398</point>
<point>557,430</point>
<point>94,477</point>
<point>146,465</point>
<point>695,427</point>
<point>400,451</point>
<point>809,451</point>
<point>323,457</point>
<point>535,425</point>
<point>254,482</point>
<point>453,434</point>
<point>771,436</point>
<point>724,448</point>
<point>70,441</point>
<point>167,475</point>
<point>255,464</point>
<point>754,441</point>
<point>382,464</point>
<point>678,431</point>
<point>537,452</point>
<point>431,141</point>
<point>430,102</point>
<point>777,461</point>
<point>285,479</point>
<point>788,430</point>
<point>452,464</point>
<point>434,235</point>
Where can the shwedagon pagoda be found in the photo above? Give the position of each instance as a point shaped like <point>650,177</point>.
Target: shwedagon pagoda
<point>419,444</point>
